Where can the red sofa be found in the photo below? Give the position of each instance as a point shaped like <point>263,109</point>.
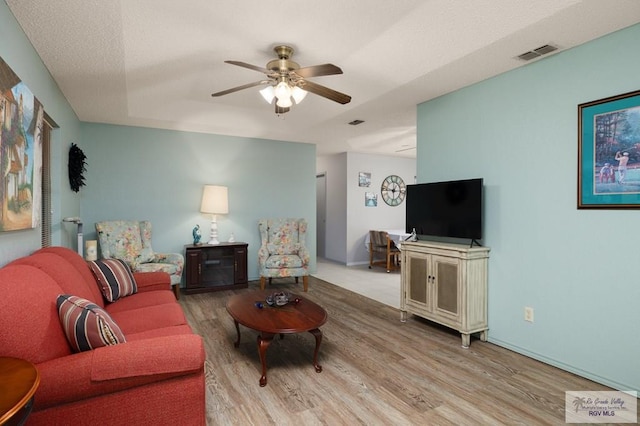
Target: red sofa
<point>156,377</point>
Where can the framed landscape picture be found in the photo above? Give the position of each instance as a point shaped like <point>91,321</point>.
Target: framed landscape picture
<point>609,153</point>
<point>364,179</point>
<point>21,122</point>
<point>370,199</point>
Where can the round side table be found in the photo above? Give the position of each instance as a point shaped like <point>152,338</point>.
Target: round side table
<point>19,380</point>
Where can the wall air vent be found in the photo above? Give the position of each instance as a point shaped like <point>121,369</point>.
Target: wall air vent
<point>547,48</point>
<point>536,53</point>
<point>405,148</point>
<point>356,122</point>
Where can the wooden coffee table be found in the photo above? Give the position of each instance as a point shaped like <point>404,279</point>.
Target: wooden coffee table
<point>19,380</point>
<point>269,321</point>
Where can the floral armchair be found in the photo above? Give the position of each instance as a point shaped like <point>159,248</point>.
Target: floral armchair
<point>130,241</point>
<point>283,252</point>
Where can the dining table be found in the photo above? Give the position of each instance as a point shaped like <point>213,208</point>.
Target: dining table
<point>396,235</point>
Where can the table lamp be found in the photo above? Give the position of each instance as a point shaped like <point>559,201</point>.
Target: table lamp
<point>214,201</point>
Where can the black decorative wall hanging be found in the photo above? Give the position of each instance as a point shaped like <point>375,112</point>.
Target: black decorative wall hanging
<point>76,167</point>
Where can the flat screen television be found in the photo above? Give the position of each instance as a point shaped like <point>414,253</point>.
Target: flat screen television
<point>445,209</point>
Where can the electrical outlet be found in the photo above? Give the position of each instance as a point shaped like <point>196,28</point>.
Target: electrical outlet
<point>528,314</point>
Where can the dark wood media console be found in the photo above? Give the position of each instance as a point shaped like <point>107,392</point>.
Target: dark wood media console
<point>215,267</point>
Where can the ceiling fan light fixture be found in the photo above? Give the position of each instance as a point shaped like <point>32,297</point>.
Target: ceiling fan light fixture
<point>298,94</point>
<point>286,83</point>
<point>268,94</point>
<point>284,102</point>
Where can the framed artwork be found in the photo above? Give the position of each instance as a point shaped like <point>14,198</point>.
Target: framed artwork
<point>21,125</point>
<point>370,199</point>
<point>364,179</point>
<point>609,153</point>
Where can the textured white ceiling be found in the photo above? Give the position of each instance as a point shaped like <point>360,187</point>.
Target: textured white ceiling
<point>155,63</point>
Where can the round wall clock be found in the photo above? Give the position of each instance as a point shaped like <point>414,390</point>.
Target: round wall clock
<point>393,190</point>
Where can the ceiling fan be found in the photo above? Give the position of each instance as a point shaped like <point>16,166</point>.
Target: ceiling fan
<point>287,83</point>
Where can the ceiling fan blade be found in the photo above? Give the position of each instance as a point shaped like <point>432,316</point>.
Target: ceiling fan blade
<point>325,92</point>
<point>318,70</point>
<point>251,67</point>
<point>235,89</point>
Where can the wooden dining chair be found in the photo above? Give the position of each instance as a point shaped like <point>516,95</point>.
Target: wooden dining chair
<point>380,243</point>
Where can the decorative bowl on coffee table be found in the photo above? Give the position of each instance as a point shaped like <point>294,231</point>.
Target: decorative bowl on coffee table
<point>278,299</point>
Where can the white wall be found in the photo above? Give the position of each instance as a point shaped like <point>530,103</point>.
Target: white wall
<point>335,169</point>
<point>348,219</point>
<point>360,218</point>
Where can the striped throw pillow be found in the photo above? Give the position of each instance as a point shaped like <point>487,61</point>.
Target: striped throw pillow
<point>86,325</point>
<point>114,278</point>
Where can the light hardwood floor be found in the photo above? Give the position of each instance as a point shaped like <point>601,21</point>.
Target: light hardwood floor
<point>376,370</point>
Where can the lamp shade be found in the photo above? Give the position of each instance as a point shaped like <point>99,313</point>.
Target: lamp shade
<point>215,200</point>
<point>298,94</point>
<point>282,90</point>
<point>268,94</point>
<point>284,102</point>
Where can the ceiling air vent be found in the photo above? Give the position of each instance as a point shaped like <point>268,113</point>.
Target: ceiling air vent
<point>356,122</point>
<point>536,53</point>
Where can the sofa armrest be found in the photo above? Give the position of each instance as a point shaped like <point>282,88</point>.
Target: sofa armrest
<point>150,281</point>
<point>117,368</point>
<point>173,258</point>
<point>304,255</point>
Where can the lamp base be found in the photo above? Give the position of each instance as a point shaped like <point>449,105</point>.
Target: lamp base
<point>213,238</point>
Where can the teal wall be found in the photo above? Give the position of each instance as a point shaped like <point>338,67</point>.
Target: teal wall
<point>137,173</point>
<point>578,269</point>
<point>17,52</point>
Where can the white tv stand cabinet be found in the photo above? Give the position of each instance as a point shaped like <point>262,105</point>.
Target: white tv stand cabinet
<point>447,284</point>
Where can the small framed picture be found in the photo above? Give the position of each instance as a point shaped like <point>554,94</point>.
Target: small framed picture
<point>364,179</point>
<point>609,153</point>
<point>370,199</point>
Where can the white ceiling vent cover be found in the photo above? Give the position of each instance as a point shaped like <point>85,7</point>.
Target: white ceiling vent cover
<point>536,53</point>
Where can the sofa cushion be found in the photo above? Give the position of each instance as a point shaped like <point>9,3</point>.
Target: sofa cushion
<point>122,239</point>
<point>148,318</point>
<point>87,325</point>
<point>114,278</point>
<point>283,261</point>
<point>141,300</point>
<point>74,259</point>
<point>152,281</point>
<point>280,249</point>
<point>30,328</point>
<point>65,274</point>
<point>160,332</point>
<point>283,231</point>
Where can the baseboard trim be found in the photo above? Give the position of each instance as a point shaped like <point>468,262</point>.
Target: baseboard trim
<point>563,366</point>
<point>366,262</point>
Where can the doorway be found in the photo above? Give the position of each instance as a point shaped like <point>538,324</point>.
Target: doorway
<point>321,213</point>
